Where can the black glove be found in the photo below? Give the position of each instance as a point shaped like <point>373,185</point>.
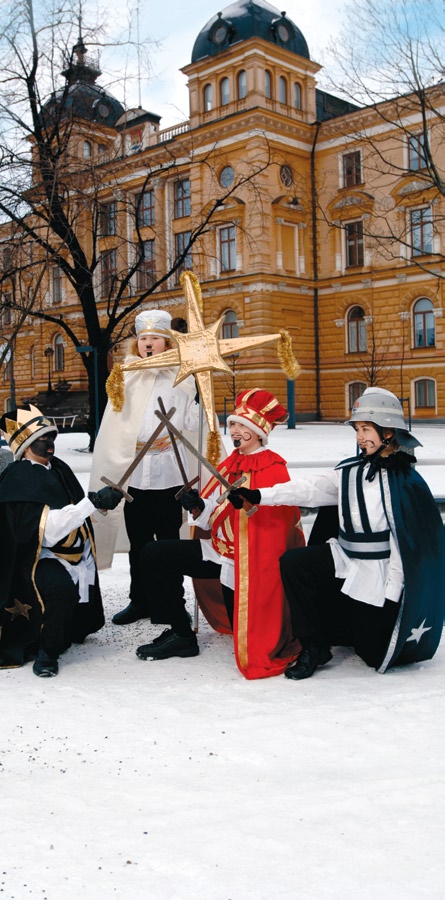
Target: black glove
<point>191,500</point>
<point>235,499</point>
<point>238,496</point>
<point>106,498</point>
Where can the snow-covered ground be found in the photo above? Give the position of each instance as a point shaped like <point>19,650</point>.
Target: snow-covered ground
<point>180,780</point>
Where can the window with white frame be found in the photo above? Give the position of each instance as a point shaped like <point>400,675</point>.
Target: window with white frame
<point>6,309</point>
<point>59,354</point>
<point>135,140</point>
<point>56,286</point>
<point>357,338</point>
<point>282,89</point>
<point>146,272</point>
<point>208,98</point>
<point>241,82</point>
<point>230,325</point>
<point>289,246</point>
<point>182,240</point>
<point>108,272</point>
<point>108,219</point>
<point>227,248</point>
<point>355,390</point>
<point>421,230</point>
<point>182,198</point>
<point>424,324</point>
<point>352,168</point>
<point>425,393</point>
<point>354,243</point>
<point>416,152</point>
<point>146,209</point>
<point>224,90</point>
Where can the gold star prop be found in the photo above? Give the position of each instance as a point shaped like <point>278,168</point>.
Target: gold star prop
<point>19,609</point>
<point>200,352</point>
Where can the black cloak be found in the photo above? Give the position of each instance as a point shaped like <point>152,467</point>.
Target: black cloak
<point>27,492</point>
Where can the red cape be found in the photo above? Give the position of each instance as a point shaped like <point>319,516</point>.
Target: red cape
<point>262,634</point>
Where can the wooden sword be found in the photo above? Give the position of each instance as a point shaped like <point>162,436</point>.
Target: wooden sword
<point>186,484</point>
<point>248,507</point>
<point>120,484</point>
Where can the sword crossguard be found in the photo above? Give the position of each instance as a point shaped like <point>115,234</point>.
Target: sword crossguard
<point>117,487</point>
<point>236,484</point>
<point>248,508</point>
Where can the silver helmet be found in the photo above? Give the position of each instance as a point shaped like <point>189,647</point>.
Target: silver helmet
<point>382,407</point>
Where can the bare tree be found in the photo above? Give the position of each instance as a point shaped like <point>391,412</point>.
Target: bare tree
<point>72,214</point>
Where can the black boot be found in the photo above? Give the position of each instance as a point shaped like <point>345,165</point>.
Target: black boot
<point>169,644</point>
<point>45,666</point>
<point>131,613</point>
<point>309,659</point>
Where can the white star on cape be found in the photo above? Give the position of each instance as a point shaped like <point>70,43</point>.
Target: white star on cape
<point>416,633</point>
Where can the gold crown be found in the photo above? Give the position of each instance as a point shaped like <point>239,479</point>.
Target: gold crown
<point>23,426</point>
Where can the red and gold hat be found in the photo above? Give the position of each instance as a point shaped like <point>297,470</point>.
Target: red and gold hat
<point>260,411</point>
<point>21,427</point>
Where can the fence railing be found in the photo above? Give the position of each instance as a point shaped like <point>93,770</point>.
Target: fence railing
<point>63,421</point>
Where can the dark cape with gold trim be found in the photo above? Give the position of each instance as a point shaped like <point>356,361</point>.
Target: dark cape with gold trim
<point>262,635</point>
<point>27,492</point>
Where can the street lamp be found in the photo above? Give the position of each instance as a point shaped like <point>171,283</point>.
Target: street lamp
<point>93,350</point>
<point>49,353</point>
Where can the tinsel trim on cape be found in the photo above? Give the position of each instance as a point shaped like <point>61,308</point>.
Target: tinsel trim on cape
<point>115,387</point>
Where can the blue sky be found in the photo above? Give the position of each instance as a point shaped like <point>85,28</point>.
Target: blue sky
<point>175,25</point>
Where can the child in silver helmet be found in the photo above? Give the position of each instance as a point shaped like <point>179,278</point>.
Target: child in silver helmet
<point>378,583</point>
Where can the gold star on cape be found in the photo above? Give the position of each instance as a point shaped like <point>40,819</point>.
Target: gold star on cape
<point>200,352</point>
<point>19,609</point>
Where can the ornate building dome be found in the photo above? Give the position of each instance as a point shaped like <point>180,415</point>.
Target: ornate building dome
<point>246,19</point>
<point>81,97</point>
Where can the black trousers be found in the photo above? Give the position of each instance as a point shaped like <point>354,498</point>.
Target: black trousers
<point>60,597</point>
<point>321,613</point>
<point>164,564</point>
<point>153,514</point>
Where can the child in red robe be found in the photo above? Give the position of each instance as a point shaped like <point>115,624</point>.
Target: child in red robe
<point>243,553</point>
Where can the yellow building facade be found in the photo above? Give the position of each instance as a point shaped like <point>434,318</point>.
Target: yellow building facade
<point>310,214</point>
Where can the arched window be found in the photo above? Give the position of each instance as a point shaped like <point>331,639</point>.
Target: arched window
<point>297,95</point>
<point>230,325</point>
<point>267,85</point>
<point>356,330</point>
<point>424,325</point>
<point>355,390</point>
<point>59,354</point>
<point>225,91</point>
<point>86,150</point>
<point>208,98</point>
<point>282,89</point>
<point>425,392</point>
<point>242,84</point>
